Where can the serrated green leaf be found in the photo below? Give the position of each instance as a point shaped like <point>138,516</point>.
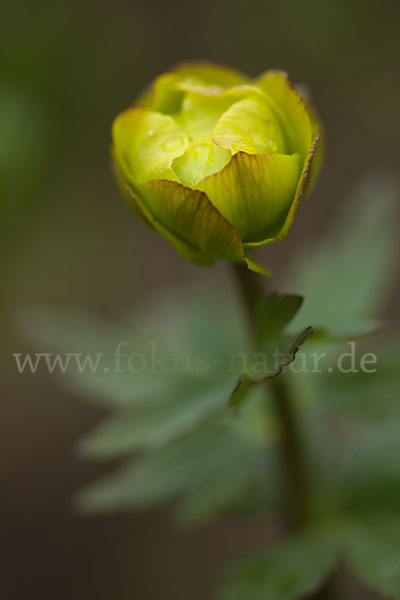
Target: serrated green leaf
<point>182,469</point>
<point>156,421</point>
<point>197,353</point>
<point>363,395</point>
<point>346,277</point>
<point>107,384</point>
<point>227,463</point>
<point>290,571</point>
<point>241,390</point>
<point>269,362</point>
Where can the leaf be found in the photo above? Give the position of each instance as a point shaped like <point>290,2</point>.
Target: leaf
<point>157,421</point>
<point>152,363</point>
<point>268,363</point>
<point>277,349</point>
<point>242,389</point>
<point>109,382</point>
<point>275,312</point>
<point>369,393</point>
<point>373,552</point>
<point>206,471</point>
<point>346,277</point>
<point>291,570</point>
<point>371,475</point>
<point>192,450</point>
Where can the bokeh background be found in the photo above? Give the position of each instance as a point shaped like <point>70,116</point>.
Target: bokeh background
<point>68,241</point>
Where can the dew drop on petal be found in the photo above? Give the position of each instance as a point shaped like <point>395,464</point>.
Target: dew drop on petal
<point>173,143</point>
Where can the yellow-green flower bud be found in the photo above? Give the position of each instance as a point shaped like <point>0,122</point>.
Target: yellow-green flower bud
<point>215,161</point>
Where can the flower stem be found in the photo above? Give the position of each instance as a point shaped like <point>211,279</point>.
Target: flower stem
<point>292,454</point>
<point>292,451</point>
<point>292,448</point>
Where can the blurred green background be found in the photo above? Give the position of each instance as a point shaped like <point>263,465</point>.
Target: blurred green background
<point>67,240</point>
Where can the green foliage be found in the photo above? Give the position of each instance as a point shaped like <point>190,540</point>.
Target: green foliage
<point>202,434</point>
<point>213,468</point>
<point>274,313</point>
<point>177,417</point>
<point>291,570</point>
<point>297,567</point>
<point>276,348</point>
<point>155,422</point>
<point>345,278</point>
<point>373,551</point>
<point>269,362</point>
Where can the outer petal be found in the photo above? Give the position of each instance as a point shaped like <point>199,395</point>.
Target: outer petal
<point>304,133</point>
<point>189,221</point>
<point>125,190</point>
<point>317,133</point>
<point>255,193</point>
<point>299,191</point>
<point>293,113</point>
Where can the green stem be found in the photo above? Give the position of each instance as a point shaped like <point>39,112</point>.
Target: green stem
<point>291,444</point>
<point>292,454</point>
<point>292,449</point>
<point>251,289</point>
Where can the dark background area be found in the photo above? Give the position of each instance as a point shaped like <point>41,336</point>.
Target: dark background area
<point>68,241</point>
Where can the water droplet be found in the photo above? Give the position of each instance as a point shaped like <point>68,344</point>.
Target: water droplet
<point>201,153</point>
<point>173,143</point>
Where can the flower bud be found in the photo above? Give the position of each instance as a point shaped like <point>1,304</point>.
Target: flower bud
<point>215,161</point>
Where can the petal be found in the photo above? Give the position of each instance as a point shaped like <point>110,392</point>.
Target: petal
<point>254,192</point>
<point>200,113</point>
<point>189,221</point>
<point>167,90</point>
<point>211,74</point>
<point>164,95</point>
<point>293,113</point>
<point>250,125</point>
<point>317,158</point>
<point>201,159</point>
<point>146,142</point>
<point>299,191</point>
<point>125,189</point>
